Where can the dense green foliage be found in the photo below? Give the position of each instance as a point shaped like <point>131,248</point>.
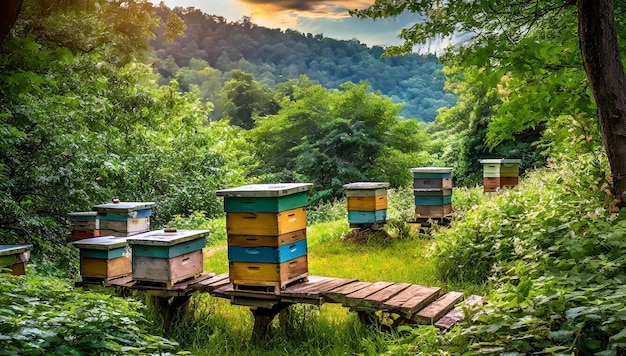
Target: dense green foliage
<point>78,130</point>
<point>45,316</point>
<point>331,138</point>
<point>274,56</point>
<point>84,120</point>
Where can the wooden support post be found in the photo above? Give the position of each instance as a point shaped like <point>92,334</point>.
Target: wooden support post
<point>263,319</point>
<point>171,309</point>
<point>367,317</point>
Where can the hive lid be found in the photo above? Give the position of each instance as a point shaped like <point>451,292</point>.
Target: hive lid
<point>102,243</point>
<point>166,237</point>
<point>82,215</point>
<point>265,190</point>
<point>122,207</point>
<point>432,170</point>
<point>13,249</point>
<point>501,160</point>
<point>366,185</point>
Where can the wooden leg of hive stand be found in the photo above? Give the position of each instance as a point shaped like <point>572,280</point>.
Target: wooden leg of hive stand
<point>172,309</point>
<point>263,319</point>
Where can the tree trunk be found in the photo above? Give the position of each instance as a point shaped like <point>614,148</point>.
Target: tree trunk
<point>10,9</point>
<point>601,57</point>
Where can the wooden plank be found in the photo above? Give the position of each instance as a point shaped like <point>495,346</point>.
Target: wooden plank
<point>355,298</point>
<point>411,299</point>
<point>296,288</point>
<point>208,285</point>
<point>375,300</point>
<point>338,294</point>
<point>316,289</point>
<point>321,288</point>
<point>455,315</point>
<point>439,308</point>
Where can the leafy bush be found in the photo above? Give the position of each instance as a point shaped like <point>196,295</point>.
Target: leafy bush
<point>555,254</point>
<point>42,315</point>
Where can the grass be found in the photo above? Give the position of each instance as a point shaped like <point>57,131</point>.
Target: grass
<point>214,326</point>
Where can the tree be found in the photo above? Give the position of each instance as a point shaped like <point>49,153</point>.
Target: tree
<point>493,23</point>
<point>334,137</point>
<point>242,98</point>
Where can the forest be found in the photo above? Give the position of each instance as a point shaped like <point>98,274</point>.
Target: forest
<point>211,48</point>
<point>150,104</point>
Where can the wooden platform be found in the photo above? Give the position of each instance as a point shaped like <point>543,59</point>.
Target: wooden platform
<point>413,303</point>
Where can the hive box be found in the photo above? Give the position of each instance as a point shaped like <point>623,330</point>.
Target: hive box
<point>432,177</point>
<point>499,173</point>
<point>367,202</point>
<point>268,224</point>
<point>266,227</point>
<point>14,257</point>
<point>272,275</point>
<point>104,258</point>
<point>267,254</point>
<point>432,190</point>
<point>167,256</point>
<point>433,211</point>
<point>123,218</point>
<point>84,225</point>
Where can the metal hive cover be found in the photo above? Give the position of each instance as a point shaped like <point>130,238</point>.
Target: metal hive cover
<point>432,170</point>
<point>166,237</point>
<point>501,160</point>
<point>366,185</point>
<point>122,207</point>
<point>13,249</point>
<point>265,190</point>
<point>102,243</point>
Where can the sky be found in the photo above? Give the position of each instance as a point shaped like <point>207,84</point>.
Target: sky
<point>327,17</point>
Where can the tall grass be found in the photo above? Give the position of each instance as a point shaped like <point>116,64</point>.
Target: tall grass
<point>215,327</point>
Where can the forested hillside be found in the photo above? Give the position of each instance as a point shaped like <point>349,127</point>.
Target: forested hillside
<point>273,56</point>
<point>123,99</point>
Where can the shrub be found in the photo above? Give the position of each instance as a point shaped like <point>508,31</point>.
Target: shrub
<point>43,315</point>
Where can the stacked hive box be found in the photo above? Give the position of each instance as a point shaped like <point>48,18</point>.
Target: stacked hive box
<point>13,257</point>
<point>432,188</point>
<point>266,227</point>
<point>167,256</point>
<point>500,173</point>
<point>84,225</point>
<point>367,203</point>
<point>104,258</point>
<point>123,218</point>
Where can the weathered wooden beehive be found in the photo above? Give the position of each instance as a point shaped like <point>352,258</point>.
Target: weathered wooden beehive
<point>500,173</point>
<point>266,228</point>
<point>367,204</point>
<point>14,257</point>
<point>432,190</point>
<point>123,218</point>
<point>167,256</point>
<point>84,225</point>
<point>104,258</point>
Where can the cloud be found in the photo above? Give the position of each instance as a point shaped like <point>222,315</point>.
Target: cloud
<point>304,8</point>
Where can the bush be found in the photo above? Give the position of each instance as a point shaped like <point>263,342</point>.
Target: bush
<point>42,315</point>
<point>555,253</point>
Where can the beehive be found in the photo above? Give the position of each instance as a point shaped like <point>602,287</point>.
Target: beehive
<point>167,256</point>
<point>500,173</point>
<point>123,218</point>
<point>367,203</point>
<point>104,258</point>
<point>84,225</point>
<point>14,257</point>
<point>432,190</point>
<point>266,228</point>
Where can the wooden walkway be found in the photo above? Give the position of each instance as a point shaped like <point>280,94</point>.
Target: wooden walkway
<point>412,303</point>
